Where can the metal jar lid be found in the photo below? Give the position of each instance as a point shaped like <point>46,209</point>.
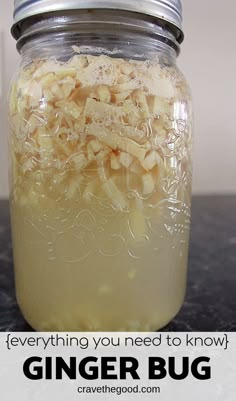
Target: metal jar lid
<point>167,10</point>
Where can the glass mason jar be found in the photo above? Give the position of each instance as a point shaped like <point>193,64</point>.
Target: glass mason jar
<point>101,136</point>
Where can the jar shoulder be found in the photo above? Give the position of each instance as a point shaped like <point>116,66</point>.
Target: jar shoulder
<point>153,76</point>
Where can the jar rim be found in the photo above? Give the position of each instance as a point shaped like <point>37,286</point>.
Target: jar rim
<point>169,11</point>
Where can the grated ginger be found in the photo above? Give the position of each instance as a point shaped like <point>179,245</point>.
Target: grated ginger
<point>94,116</point>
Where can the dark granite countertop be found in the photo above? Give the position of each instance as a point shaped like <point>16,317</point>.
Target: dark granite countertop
<point>210,303</point>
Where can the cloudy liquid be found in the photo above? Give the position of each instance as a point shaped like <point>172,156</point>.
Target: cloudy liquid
<point>81,269</point>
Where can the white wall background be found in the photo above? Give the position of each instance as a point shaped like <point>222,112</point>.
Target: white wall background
<point>208,59</point>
